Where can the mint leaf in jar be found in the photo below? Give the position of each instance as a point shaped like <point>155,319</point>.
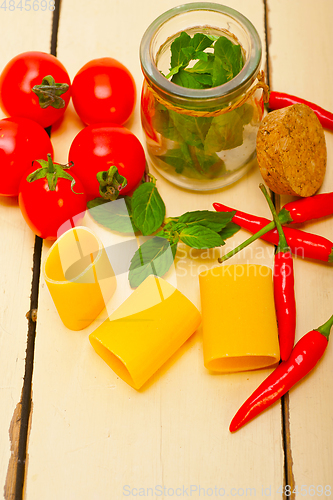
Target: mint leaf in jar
<point>219,60</point>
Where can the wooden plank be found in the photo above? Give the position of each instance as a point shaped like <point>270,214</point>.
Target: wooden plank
<point>92,436</point>
<point>22,31</point>
<point>300,68</point>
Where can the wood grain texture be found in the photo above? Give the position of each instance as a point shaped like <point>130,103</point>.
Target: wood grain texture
<point>301,68</point>
<point>22,31</point>
<point>93,436</point>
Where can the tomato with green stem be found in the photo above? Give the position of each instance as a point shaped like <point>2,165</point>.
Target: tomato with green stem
<point>49,197</point>
<point>35,85</point>
<point>21,142</point>
<point>108,159</point>
<point>104,90</point>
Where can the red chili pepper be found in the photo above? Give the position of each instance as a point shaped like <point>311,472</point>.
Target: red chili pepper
<point>305,355</point>
<point>278,100</point>
<point>301,243</point>
<point>304,209</point>
<point>283,284</point>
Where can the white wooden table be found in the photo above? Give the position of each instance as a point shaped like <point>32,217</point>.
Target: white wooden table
<point>89,436</point>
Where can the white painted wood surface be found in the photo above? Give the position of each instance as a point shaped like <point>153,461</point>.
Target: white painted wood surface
<point>94,437</point>
<point>20,31</point>
<point>302,69</point>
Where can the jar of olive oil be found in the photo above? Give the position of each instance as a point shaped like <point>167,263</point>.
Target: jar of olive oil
<point>201,102</point>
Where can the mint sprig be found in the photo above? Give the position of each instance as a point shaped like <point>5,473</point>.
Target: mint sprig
<point>145,212</point>
<point>148,207</point>
<point>218,60</point>
<point>199,229</point>
<point>202,62</point>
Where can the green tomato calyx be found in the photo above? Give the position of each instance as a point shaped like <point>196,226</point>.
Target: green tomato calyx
<point>52,172</point>
<point>110,183</point>
<point>49,93</point>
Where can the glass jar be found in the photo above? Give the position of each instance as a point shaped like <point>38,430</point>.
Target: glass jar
<point>200,139</point>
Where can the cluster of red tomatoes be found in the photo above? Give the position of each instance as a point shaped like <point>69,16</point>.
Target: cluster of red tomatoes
<point>105,158</point>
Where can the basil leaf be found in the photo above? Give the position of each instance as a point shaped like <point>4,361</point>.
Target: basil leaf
<point>226,132</point>
<point>211,165</point>
<point>203,56</point>
<point>245,112</point>
<point>198,236</point>
<point>203,78</point>
<point>187,53</point>
<point>203,66</point>
<point>237,59</point>
<point>229,56</point>
<point>229,230</point>
<point>185,79</point>
<point>215,221</point>
<point>115,215</point>
<point>178,158</point>
<point>155,256</point>
<point>164,125</point>
<point>200,42</point>
<point>221,74</point>
<point>177,55</point>
<point>148,208</point>
<point>193,129</point>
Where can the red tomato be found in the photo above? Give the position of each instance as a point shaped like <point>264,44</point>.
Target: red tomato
<point>104,90</point>
<point>98,147</point>
<point>21,142</point>
<point>18,78</point>
<point>46,210</point>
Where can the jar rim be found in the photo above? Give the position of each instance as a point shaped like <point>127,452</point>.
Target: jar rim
<point>241,81</point>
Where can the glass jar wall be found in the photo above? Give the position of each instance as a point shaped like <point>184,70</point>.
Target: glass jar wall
<point>200,139</point>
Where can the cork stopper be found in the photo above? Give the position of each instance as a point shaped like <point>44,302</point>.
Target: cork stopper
<point>291,151</point>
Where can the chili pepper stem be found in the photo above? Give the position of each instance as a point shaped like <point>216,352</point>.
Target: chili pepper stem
<point>325,329</point>
<point>247,242</point>
<point>284,218</point>
<point>282,245</point>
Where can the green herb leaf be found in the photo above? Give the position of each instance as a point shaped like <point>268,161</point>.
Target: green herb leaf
<point>200,42</point>
<point>203,66</point>
<point>177,55</point>
<point>192,129</point>
<point>221,73</point>
<point>229,230</point>
<point>115,215</point>
<point>164,125</point>
<point>186,79</point>
<point>155,256</point>
<point>245,112</point>
<point>203,56</point>
<point>204,79</point>
<point>215,221</point>
<point>226,132</point>
<point>148,208</point>
<point>178,158</point>
<point>198,236</point>
<point>229,55</point>
<point>210,165</point>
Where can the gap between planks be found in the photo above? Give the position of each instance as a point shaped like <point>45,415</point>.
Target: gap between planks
<point>21,420</point>
<point>20,424</point>
<point>285,420</point>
